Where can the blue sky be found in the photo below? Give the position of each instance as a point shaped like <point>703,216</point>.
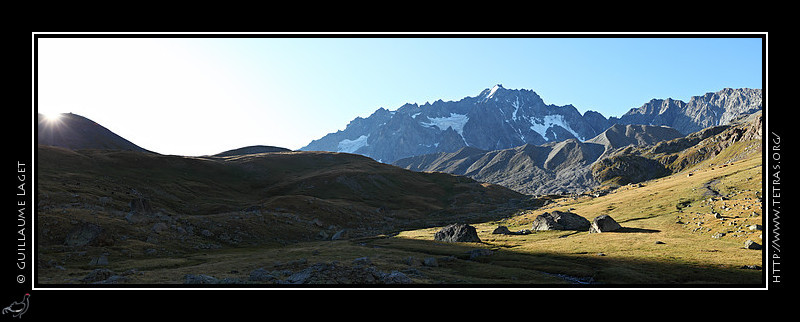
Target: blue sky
<point>198,96</point>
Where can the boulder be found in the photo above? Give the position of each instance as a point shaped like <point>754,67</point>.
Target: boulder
<point>159,227</point>
<point>141,211</point>
<point>342,234</point>
<point>97,275</point>
<point>362,261</point>
<point>522,232</point>
<point>559,220</point>
<point>457,233</point>
<point>603,223</point>
<point>261,275</point>
<point>503,230</point>
<point>749,244</point>
<point>141,205</point>
<point>85,234</point>
<point>396,277</point>
<point>199,279</point>
<point>102,260</point>
<point>430,262</point>
<point>478,253</point>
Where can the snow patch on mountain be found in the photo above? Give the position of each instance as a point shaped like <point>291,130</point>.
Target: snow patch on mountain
<point>516,107</point>
<point>494,89</point>
<point>456,121</point>
<point>542,125</point>
<point>350,146</point>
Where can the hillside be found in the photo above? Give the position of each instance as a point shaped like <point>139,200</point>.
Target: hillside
<point>555,167</point>
<point>677,230</point>
<point>74,132</point>
<point>254,149</point>
<point>726,143</point>
<point>137,205</point>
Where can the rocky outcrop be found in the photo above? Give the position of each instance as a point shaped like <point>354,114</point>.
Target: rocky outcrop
<point>710,109</point>
<point>457,233</point>
<point>750,244</point>
<point>85,234</point>
<point>559,220</point>
<point>141,211</point>
<point>501,230</point>
<point>603,223</point>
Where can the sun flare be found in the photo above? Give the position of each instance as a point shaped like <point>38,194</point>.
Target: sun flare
<point>51,117</point>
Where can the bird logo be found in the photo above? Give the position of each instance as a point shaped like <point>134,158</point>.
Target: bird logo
<point>18,308</point>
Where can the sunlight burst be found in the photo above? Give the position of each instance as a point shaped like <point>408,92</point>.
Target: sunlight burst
<point>51,117</point>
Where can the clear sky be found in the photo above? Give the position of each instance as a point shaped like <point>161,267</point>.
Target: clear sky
<point>198,96</point>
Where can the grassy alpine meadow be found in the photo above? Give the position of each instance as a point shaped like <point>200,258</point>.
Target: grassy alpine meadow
<point>670,233</point>
<point>688,228</point>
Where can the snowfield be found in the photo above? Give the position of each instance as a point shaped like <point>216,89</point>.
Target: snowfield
<point>350,146</point>
<point>541,125</point>
<point>456,121</point>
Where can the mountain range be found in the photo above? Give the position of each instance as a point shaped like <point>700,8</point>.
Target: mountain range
<point>622,154</point>
<point>499,118</point>
<point>505,137</point>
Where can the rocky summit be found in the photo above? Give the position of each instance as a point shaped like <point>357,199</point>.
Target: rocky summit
<point>710,109</point>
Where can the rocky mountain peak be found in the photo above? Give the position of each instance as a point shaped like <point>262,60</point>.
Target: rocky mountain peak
<point>490,92</point>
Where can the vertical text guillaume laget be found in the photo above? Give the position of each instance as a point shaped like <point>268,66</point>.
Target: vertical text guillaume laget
<point>21,220</point>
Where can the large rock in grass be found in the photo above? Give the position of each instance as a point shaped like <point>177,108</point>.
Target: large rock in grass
<point>457,233</point>
<point>503,230</point>
<point>141,211</point>
<point>559,220</point>
<point>603,223</point>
